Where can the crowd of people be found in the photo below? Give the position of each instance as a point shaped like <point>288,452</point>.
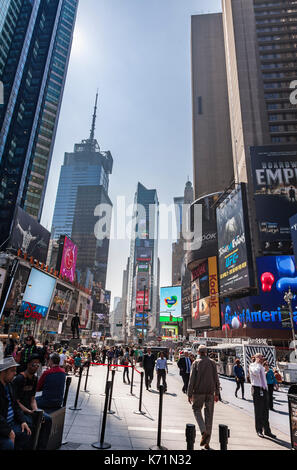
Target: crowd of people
<point>29,368</point>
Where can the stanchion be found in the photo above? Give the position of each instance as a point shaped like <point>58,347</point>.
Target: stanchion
<point>87,376</point>
<point>140,412</point>
<point>74,408</point>
<point>107,377</point>
<point>104,445</point>
<point>190,436</point>
<point>224,434</point>
<point>132,380</point>
<point>67,386</point>
<point>158,446</point>
<point>110,412</point>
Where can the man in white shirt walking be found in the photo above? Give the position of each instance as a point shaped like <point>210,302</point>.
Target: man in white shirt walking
<point>161,368</point>
<point>260,397</point>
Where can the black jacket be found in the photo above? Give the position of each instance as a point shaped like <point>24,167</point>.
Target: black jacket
<point>19,417</point>
<point>182,366</point>
<point>148,361</point>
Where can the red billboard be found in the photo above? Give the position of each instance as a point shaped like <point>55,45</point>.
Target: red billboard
<point>140,300</point>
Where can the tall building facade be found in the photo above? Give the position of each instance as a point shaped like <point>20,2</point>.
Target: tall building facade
<point>36,38</point>
<point>143,282</point>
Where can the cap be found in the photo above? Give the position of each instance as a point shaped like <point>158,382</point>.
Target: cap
<point>7,363</point>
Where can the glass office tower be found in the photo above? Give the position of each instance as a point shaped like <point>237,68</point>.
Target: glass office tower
<point>35,44</point>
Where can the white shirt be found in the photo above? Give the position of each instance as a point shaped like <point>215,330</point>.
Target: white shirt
<point>62,359</point>
<point>257,375</point>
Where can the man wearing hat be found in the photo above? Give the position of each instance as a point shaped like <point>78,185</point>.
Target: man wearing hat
<point>15,433</point>
<point>203,391</point>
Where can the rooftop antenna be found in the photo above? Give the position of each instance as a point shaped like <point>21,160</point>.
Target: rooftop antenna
<point>92,135</point>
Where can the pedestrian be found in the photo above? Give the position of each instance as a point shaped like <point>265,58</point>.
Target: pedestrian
<point>148,366</point>
<point>51,383</point>
<point>24,385</point>
<point>278,378</point>
<point>203,391</point>
<point>161,369</point>
<point>271,383</point>
<point>77,362</point>
<point>104,354</point>
<point>11,348</point>
<point>238,371</point>
<point>184,364</point>
<point>126,362</point>
<point>15,433</point>
<point>29,349</point>
<point>260,396</point>
<point>63,357</point>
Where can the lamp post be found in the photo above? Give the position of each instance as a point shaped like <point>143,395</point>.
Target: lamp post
<point>288,297</point>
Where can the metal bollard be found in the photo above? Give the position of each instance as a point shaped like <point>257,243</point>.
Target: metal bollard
<point>107,376</point>
<point>68,382</point>
<point>37,421</point>
<point>132,380</point>
<point>74,408</point>
<point>190,436</point>
<point>224,434</point>
<point>104,445</point>
<point>87,376</point>
<point>158,446</point>
<point>110,412</point>
<point>140,412</point>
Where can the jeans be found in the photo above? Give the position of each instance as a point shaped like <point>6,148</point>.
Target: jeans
<point>261,407</point>
<point>45,430</point>
<point>22,440</point>
<point>45,405</point>
<point>126,373</point>
<point>161,374</point>
<point>149,376</point>
<point>240,383</point>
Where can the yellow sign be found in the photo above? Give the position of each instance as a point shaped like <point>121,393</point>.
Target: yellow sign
<point>214,292</point>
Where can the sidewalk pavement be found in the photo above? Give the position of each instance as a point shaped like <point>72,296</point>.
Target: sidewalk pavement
<point>128,431</point>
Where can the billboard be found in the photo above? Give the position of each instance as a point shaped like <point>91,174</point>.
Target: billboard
<point>84,309</point>
<point>141,302</point>
<point>29,236</point>
<point>233,243</point>
<point>15,297</point>
<point>275,186</point>
<point>205,304</point>
<point>2,279</point>
<point>67,258</point>
<point>38,295</point>
<point>268,310</point>
<point>62,301</point>
<point>170,302</point>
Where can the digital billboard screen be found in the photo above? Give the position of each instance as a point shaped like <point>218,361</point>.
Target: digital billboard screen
<point>275,187</point>
<point>205,295</point>
<point>29,236</point>
<point>68,259</point>
<point>38,295</point>
<point>233,243</point>
<point>268,310</point>
<point>170,302</point>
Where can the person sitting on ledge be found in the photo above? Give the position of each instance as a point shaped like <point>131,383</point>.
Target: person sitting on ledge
<point>52,384</point>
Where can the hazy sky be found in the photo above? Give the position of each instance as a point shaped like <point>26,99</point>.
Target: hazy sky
<point>137,53</point>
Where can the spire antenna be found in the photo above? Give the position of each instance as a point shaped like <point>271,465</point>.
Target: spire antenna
<point>92,134</point>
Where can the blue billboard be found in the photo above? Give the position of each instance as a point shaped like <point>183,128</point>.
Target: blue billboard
<point>38,295</point>
<point>170,302</point>
<point>276,274</point>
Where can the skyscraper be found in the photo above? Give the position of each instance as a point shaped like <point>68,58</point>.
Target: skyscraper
<point>142,302</point>
<point>35,45</point>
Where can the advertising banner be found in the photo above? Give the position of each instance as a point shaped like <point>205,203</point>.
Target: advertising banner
<point>62,301</point>
<point>233,243</point>
<point>29,236</point>
<point>84,311</point>
<point>38,295</point>
<point>170,302</point>
<point>268,310</point>
<point>143,254</point>
<point>2,279</point>
<point>140,302</point>
<point>275,189</point>
<point>15,297</point>
<point>205,295</point>
<point>68,259</point>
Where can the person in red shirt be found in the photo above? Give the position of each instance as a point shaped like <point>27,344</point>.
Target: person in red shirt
<point>52,384</point>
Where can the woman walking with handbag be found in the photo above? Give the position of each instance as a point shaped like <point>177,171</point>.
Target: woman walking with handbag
<point>239,377</point>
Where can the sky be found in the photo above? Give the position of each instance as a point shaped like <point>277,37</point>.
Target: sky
<point>137,53</point>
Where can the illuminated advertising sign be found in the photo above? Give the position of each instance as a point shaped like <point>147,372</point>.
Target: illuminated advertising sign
<point>275,186</point>
<point>205,295</point>
<point>67,258</point>
<point>84,311</point>
<point>233,242</point>
<point>268,310</point>
<point>169,332</point>
<point>170,302</point>
<point>140,302</point>
<point>38,295</point>
<point>62,301</point>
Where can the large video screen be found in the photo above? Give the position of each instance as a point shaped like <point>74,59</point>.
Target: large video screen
<point>276,274</point>
<point>170,302</point>
<point>275,192</point>
<point>233,243</point>
<point>38,295</point>
<point>68,261</point>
